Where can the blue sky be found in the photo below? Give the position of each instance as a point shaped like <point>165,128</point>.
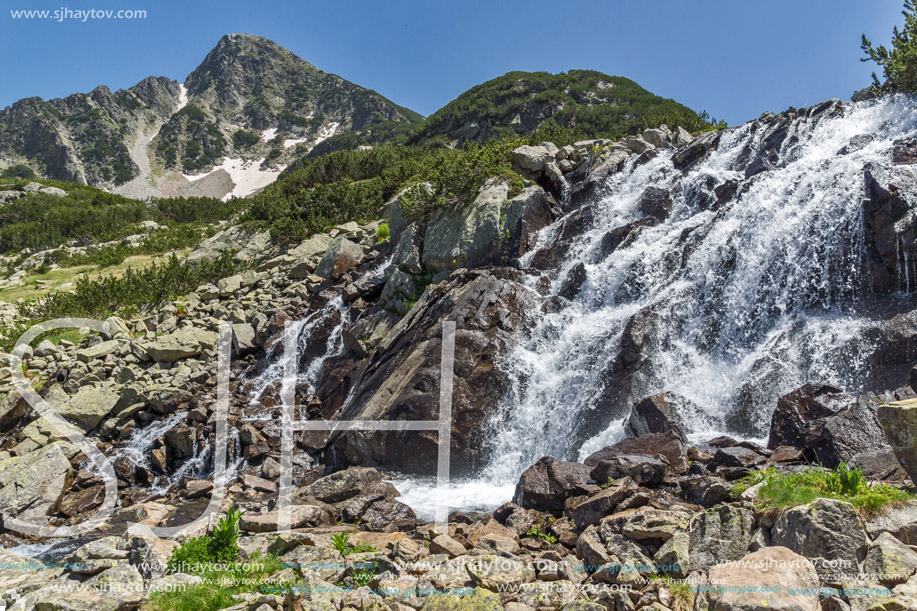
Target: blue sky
<point>733,58</point>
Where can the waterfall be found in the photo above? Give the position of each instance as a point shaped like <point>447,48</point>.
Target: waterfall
<point>741,301</point>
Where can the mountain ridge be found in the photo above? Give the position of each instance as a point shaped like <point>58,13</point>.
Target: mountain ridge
<point>245,85</point>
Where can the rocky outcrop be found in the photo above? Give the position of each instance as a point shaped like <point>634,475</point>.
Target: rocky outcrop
<point>831,427</point>
<point>400,378</point>
<point>899,421</point>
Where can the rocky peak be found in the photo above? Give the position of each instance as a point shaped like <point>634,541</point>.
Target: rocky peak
<point>239,66</point>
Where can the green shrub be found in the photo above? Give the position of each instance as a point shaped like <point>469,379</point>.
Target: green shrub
<point>245,138</point>
<point>194,555</point>
<point>341,542</point>
<point>899,65</point>
<point>382,232</point>
<point>20,170</point>
<point>226,536</point>
<point>537,532</point>
<point>846,481</point>
<point>109,295</point>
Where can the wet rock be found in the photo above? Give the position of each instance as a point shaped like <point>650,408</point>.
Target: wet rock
<point>642,469</point>
<point>590,510</point>
<point>181,442</point>
<point>737,458</point>
<point>655,202</point>
<point>573,281</point>
<point>853,435</point>
<point>659,414</point>
<point>696,150</point>
<point>549,482</point>
<point>667,445</point>
<point>400,379</point>
<point>891,195</point>
<point>795,422</point>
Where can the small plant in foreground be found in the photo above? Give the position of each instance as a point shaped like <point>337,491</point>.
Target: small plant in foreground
<point>382,232</point>
<point>195,554</point>
<point>341,542</point>
<point>538,533</point>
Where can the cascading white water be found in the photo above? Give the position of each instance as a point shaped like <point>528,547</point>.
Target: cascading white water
<point>749,300</point>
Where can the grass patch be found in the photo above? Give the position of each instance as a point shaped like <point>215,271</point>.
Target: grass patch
<point>785,490</point>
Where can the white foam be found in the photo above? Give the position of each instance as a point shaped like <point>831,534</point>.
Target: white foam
<point>424,496</point>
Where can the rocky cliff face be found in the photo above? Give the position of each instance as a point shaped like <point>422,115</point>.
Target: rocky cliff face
<point>84,137</point>
<point>250,100</point>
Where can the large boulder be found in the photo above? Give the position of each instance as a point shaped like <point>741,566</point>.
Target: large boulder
<point>32,486</point>
<point>89,406</point>
<point>659,414</point>
<point>644,470</point>
<point>343,485</point>
<point>400,379</point>
<point>796,421</point>
<point>770,579</point>
<point>827,531</point>
<point>668,446</point>
<point>829,427</point>
<point>899,421</point>
<point>719,534</point>
<point>468,234</point>
<point>300,516</point>
<point>890,560</point>
<point>342,256</point>
<point>184,343</point>
<point>549,482</point>
<point>853,435</point>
